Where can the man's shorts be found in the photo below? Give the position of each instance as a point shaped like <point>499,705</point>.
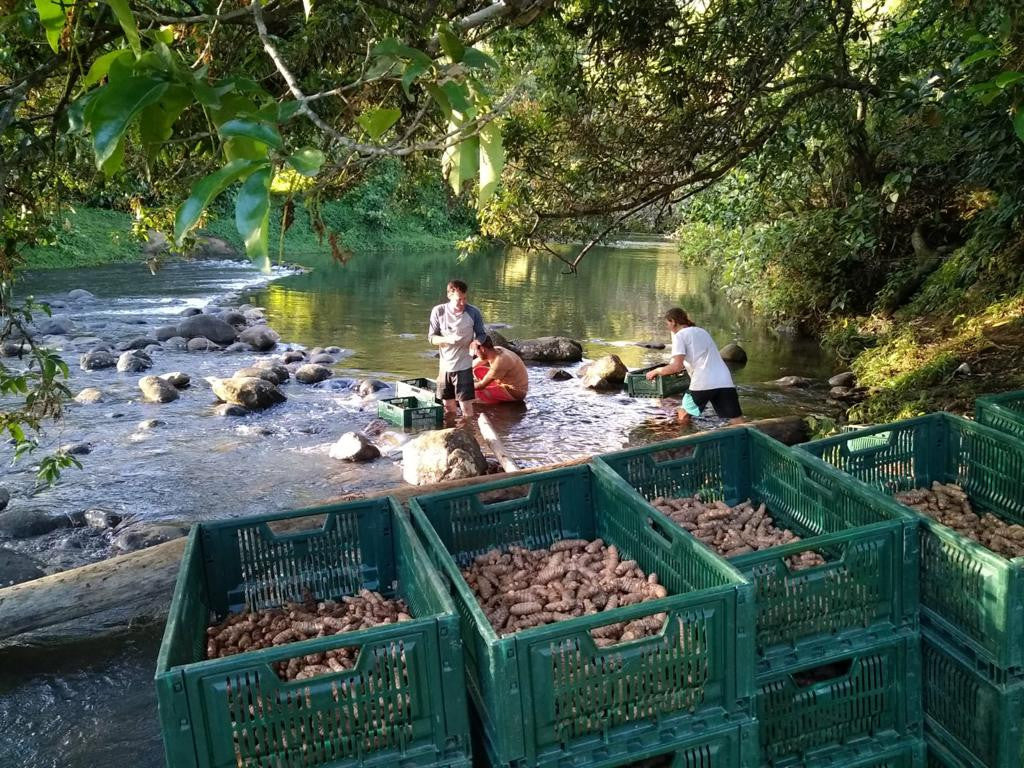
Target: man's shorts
<point>725,402</point>
<point>456,385</point>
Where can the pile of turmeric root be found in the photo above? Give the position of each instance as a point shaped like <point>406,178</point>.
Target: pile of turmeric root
<point>733,531</point>
<point>948,504</point>
<point>521,588</point>
<point>255,630</point>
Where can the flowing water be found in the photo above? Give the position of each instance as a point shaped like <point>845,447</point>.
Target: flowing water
<point>95,706</point>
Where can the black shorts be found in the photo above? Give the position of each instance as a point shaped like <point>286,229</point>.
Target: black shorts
<point>725,401</point>
<point>456,385</point>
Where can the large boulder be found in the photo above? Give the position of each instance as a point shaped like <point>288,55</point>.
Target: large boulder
<point>157,390</point>
<point>250,392</point>
<point>139,342</point>
<point>323,359</point>
<point>608,372</point>
<point>176,344</point>
<point>311,373</point>
<point>97,360</point>
<point>207,327</point>
<point>201,344</point>
<point>179,379</point>
<point>550,349</point>
<point>259,373</point>
<point>234,317</point>
<point>147,535</point>
<point>793,381</point>
<point>58,325</point>
<point>89,396</point>
<point>165,332</point>
<point>733,353</point>
<point>80,294</point>
<point>134,361</point>
<point>442,454</point>
<point>27,523</point>
<point>844,379</point>
<point>260,337</point>
<point>353,446</point>
<point>293,356</point>
<point>16,568</point>
<point>282,373</point>
<point>560,374</point>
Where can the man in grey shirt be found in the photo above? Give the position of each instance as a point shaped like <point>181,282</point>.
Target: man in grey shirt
<point>453,328</point>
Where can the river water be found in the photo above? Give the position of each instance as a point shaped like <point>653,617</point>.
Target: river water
<point>96,705</point>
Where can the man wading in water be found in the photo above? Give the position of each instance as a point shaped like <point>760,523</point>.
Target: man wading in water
<point>453,328</point>
<point>694,350</point>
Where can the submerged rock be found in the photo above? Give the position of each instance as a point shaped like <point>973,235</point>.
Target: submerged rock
<point>311,373</point>
<point>16,568</point>
<point>146,535</point>
<point>793,381</point>
<point>250,392</point>
<point>134,361</point>
<point>606,373</point>
<point>550,349</point>
<point>177,378</point>
<point>89,396</point>
<point>29,523</point>
<point>560,374</point>
<point>260,337</point>
<point>442,454</point>
<point>733,353</point>
<point>353,446</point>
<point>97,360</point>
<point>158,390</point>
<point>844,379</point>
<point>208,327</point>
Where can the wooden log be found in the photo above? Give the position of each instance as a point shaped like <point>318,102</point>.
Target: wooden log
<point>139,584</point>
<point>494,442</point>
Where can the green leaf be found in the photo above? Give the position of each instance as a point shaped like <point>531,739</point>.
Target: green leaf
<point>52,17</point>
<point>1007,79</point>
<point>126,19</point>
<point>376,122</point>
<point>458,96</point>
<point>477,59</point>
<point>391,47</point>
<point>115,161</point>
<point>381,67</point>
<point>114,107</point>
<point>451,44</point>
<point>99,68</point>
<point>252,212</point>
<point>164,34</point>
<point>979,56</point>
<point>157,122</point>
<point>1018,123</point>
<point>412,71</point>
<point>286,110</point>
<point>76,113</point>
<point>252,129</point>
<point>205,191</point>
<point>245,149</point>
<point>492,160</point>
<point>307,161</point>
<point>441,99</point>
<point>460,161</point>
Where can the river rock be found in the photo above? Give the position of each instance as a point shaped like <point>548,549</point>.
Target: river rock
<point>230,409</point>
<point>16,568</point>
<point>368,387</point>
<point>251,392</point>
<point>844,379</point>
<point>27,523</point>
<point>282,373</point>
<point>311,373</point>
<point>97,360</point>
<point>5,498</point>
<point>147,535</point>
<point>336,385</point>
<point>176,344</point>
<point>316,351</point>
<point>178,379</point>
<point>81,295</point>
<point>234,317</point>
<point>238,347</point>
<point>148,424</point>
<point>101,518</point>
<point>165,332</point>
<point>259,373</point>
<point>550,349</point>
<point>134,361</point>
<point>207,327</point>
<point>608,372</point>
<point>58,325</point>
<point>333,350</point>
<point>89,396</point>
<point>442,454</point>
<point>352,446</point>
<point>190,312</point>
<point>201,344</point>
<point>793,381</point>
<point>81,448</point>
<point>848,394</point>
<point>560,374</point>
<point>157,390</point>
<point>733,353</point>
<point>212,309</point>
<point>140,342</point>
<point>253,315</point>
<point>293,356</point>
<point>260,337</point>
<point>649,344</point>
<point>14,348</point>
<point>322,359</point>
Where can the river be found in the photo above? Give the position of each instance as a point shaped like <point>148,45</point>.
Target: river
<point>96,705</point>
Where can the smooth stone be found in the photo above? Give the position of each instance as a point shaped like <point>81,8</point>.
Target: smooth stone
<point>844,379</point>
<point>549,349</point>
<point>201,344</point>
<point>294,356</point>
<point>190,312</point>
<point>793,381</point>
<point>560,374</point>
<point>261,337</point>
<point>177,378</point>
<point>76,449</point>
<point>80,294</point>
<point>207,327</point>
<point>353,446</point>
<point>5,498</point>
<point>97,360</point>
<point>140,342</point>
<point>368,387</point>
<point>733,353</point>
<point>253,393</point>
<point>322,359</point>
<point>89,396</point>
<point>16,567</point>
<point>311,373</point>
<point>134,361</point>
<point>442,454</point>
<point>28,523</point>
<point>148,535</point>
<point>333,350</point>
<point>151,424</point>
<point>165,332</point>
<point>101,518</point>
<point>158,390</point>
<point>230,409</point>
<point>606,373</point>
<point>239,346</point>
<point>233,317</point>
<point>649,344</point>
<point>282,373</point>
<point>259,373</point>
<point>176,344</point>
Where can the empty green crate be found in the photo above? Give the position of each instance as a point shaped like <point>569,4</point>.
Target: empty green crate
<point>1004,412</point>
<point>965,588</point>
<point>909,754</point>
<point>411,412</point>
<point>976,715</point>
<point>548,695</point>
<point>404,701</point>
<point>869,582</point>
<point>827,713</point>
<point>424,389</point>
<point>939,756</point>
<point>637,384</point>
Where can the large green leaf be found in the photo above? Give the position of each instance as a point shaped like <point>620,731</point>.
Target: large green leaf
<point>477,59</point>
<point>307,161</point>
<point>450,43</point>
<point>461,161</point>
<point>492,160</point>
<point>1006,79</point>
<point>99,68</point>
<point>413,70</point>
<point>458,96</point>
<point>52,16</point>
<point>442,100</point>
<point>390,46</point>
<point>246,149</point>
<point>257,130</point>
<point>114,107</point>
<point>157,122</point>
<point>981,55</point>
<point>115,161</point>
<point>206,190</point>
<point>126,19</point>
<point>252,212</point>
<point>376,122</point>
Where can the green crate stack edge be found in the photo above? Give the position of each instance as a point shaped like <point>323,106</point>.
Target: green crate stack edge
<point>1004,412</point>
<point>637,384</point>
<point>852,621</point>
<point>548,695</point>
<point>972,598</point>
<point>411,412</point>
<point>424,389</point>
<point>403,702</point>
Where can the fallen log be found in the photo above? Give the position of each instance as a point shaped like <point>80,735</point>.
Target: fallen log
<point>495,444</point>
<point>138,585</point>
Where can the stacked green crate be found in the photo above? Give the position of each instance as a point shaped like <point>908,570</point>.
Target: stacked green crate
<point>548,695</point>
<point>1004,412</point>
<point>403,703</point>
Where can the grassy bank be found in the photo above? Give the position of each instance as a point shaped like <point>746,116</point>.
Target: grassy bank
<point>87,237</point>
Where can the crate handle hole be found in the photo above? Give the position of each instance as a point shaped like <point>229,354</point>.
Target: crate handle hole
<point>659,529</point>
<point>833,670</point>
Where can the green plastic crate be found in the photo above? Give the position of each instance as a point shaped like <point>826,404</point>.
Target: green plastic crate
<point>976,716</point>
<point>1004,412</point>
<point>826,713</point>
<point>868,584</point>
<point>548,695</point>
<point>939,755</point>
<point>424,389</point>
<point>403,703</point>
<point>637,384</point>
<point>966,589</point>
<point>411,412</point>
<point>909,753</point>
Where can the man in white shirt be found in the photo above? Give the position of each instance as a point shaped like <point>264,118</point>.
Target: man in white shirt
<point>453,327</point>
<point>694,351</point>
